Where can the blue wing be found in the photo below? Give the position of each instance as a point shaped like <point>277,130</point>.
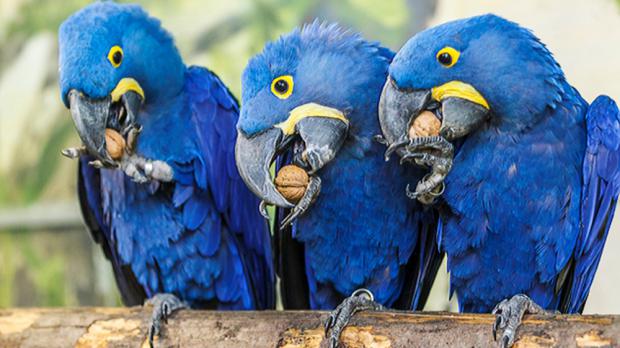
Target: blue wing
<point>215,113</point>
<point>89,195</point>
<point>601,184</point>
<point>425,260</point>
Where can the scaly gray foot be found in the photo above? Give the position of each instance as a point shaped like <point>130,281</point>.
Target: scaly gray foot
<point>360,300</point>
<point>312,192</point>
<point>143,170</point>
<point>508,315</point>
<point>163,306</point>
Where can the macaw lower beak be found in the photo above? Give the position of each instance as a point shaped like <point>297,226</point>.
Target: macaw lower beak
<point>320,130</point>
<point>118,111</point>
<point>460,108</point>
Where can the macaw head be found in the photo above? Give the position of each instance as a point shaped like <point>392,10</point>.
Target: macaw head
<point>310,89</point>
<point>466,72</point>
<point>113,60</point>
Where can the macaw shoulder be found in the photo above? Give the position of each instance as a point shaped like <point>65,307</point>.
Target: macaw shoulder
<point>603,123</point>
<point>203,85</point>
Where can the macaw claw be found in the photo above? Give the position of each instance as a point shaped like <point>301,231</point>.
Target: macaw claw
<point>312,191</point>
<point>142,170</point>
<point>74,152</point>
<point>360,300</point>
<point>508,315</point>
<point>434,152</point>
<point>163,306</point>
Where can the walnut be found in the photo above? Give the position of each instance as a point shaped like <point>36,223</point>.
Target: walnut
<point>114,143</point>
<point>425,125</point>
<point>292,182</point>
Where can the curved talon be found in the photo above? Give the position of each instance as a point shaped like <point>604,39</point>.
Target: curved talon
<point>96,163</point>
<point>436,193</point>
<point>496,326</point>
<point>74,152</point>
<point>509,313</point>
<point>380,139</point>
<point>163,306</point>
<point>393,147</point>
<point>360,300</point>
<point>262,208</point>
<point>410,194</point>
<point>420,158</point>
<point>364,292</point>
<point>312,191</point>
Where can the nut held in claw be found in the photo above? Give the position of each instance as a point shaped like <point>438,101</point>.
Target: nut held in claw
<point>114,143</point>
<point>425,125</point>
<point>292,182</point>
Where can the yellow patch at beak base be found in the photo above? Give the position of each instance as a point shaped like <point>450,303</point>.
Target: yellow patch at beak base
<point>461,90</point>
<point>309,110</point>
<point>125,85</point>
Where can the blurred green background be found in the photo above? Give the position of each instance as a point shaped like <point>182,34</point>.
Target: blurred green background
<point>46,257</point>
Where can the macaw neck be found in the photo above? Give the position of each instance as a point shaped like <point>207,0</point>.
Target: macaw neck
<point>166,128</point>
<point>363,126</point>
<point>524,117</point>
<point>162,107</point>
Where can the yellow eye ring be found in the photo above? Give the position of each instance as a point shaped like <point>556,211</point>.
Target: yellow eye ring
<point>115,56</point>
<point>282,86</point>
<point>448,56</point>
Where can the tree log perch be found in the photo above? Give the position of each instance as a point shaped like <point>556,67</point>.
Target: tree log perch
<point>127,327</point>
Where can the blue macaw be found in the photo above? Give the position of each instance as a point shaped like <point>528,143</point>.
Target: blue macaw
<point>311,98</point>
<point>172,215</point>
<point>534,183</point>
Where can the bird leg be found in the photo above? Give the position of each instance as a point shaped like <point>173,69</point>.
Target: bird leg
<point>436,153</point>
<point>508,315</point>
<point>360,300</point>
<point>163,306</point>
<point>312,191</point>
<point>142,170</point>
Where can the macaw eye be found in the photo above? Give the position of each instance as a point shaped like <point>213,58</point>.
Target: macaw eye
<point>115,56</point>
<point>448,56</point>
<point>282,87</point>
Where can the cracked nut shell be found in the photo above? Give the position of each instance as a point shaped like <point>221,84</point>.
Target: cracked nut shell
<point>425,125</point>
<point>114,143</point>
<point>292,182</point>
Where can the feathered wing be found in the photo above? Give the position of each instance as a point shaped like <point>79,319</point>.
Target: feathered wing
<point>423,264</point>
<point>215,113</point>
<point>89,196</point>
<point>601,185</point>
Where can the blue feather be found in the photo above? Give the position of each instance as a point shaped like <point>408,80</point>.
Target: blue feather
<point>361,231</point>
<point>529,200</point>
<point>200,236</point>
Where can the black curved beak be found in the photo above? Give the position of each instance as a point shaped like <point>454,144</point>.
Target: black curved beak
<point>460,108</point>
<point>322,138</point>
<point>254,156</point>
<point>91,117</point>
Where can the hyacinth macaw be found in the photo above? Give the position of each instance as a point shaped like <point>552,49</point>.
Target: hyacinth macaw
<point>312,97</point>
<point>533,186</point>
<point>173,215</point>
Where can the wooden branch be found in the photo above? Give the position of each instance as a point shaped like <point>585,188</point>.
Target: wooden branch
<point>127,327</point>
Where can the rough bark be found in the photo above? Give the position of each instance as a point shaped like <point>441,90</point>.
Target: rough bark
<point>127,327</point>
